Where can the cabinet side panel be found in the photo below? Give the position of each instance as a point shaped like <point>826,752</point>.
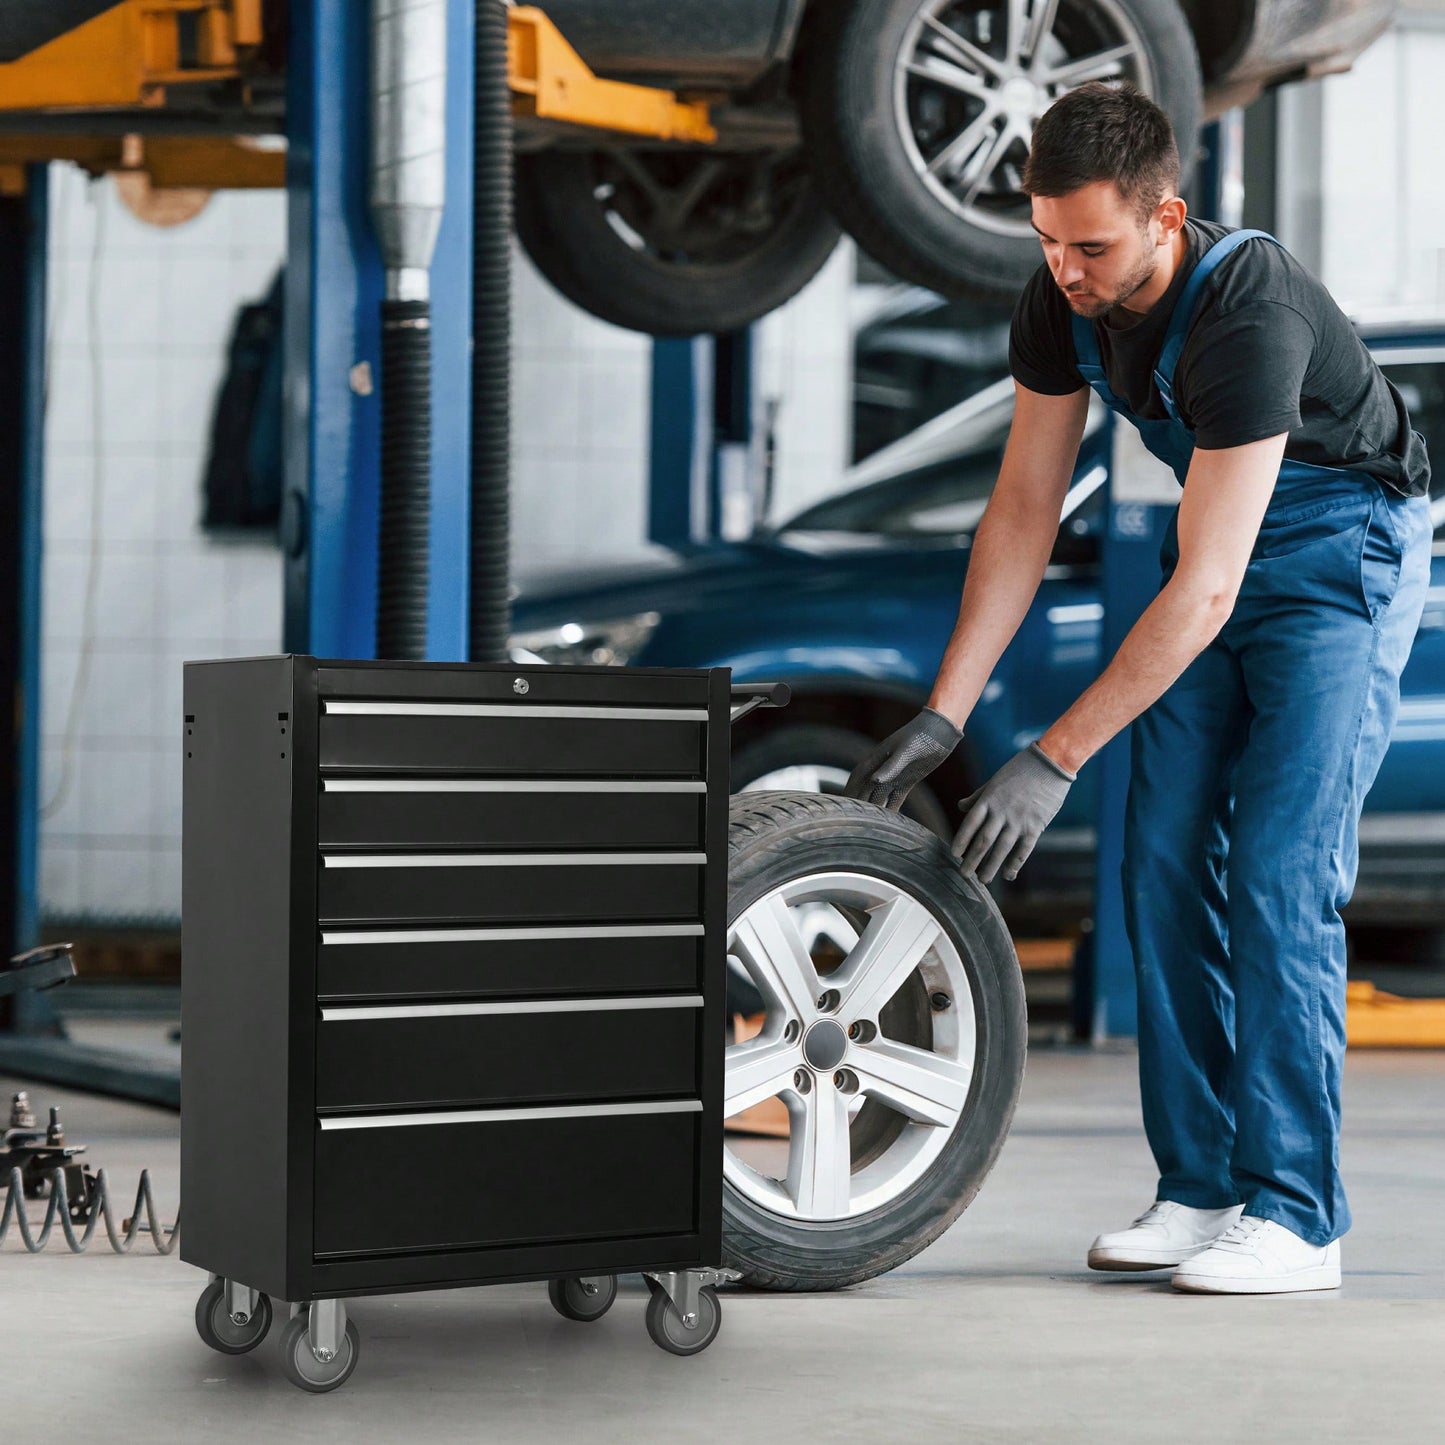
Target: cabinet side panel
<point>236,942</point>
<point>713,1021</point>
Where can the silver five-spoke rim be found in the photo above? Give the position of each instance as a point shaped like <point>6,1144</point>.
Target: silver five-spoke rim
<point>823,1051</point>
<point>972,79</point>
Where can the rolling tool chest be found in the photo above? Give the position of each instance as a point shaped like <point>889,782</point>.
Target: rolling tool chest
<point>453,991</point>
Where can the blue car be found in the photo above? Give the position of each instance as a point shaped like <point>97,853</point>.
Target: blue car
<point>853,600</point>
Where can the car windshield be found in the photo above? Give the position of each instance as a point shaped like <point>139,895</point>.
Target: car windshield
<point>943,505</point>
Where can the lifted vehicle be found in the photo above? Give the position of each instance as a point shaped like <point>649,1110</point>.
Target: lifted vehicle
<point>906,121</point>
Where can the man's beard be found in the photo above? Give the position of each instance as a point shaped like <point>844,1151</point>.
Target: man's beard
<point>1142,275</point>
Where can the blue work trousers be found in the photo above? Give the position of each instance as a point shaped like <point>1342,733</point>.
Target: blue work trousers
<point>1241,848</point>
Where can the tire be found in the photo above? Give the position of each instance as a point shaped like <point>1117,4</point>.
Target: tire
<point>572,1301</point>
<point>826,865</point>
<point>216,1327</point>
<point>591,224</point>
<point>872,130</point>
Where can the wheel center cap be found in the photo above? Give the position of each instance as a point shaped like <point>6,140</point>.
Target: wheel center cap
<point>825,1044</point>
<point>1022,98</point>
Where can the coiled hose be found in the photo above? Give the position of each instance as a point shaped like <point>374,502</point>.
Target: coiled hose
<point>402,563</point>
<point>489,609</point>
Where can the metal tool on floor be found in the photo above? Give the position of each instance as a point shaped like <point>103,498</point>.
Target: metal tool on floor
<point>39,1152</point>
<point>98,1208</point>
<point>79,1199</point>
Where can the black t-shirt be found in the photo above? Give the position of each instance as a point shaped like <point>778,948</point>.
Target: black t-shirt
<point>1268,351</point>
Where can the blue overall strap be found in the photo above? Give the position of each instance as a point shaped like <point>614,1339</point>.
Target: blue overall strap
<point>1090,362</point>
<point>1179,322</point>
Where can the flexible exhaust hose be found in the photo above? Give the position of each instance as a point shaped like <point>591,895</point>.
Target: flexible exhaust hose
<point>402,562</point>
<point>489,609</point>
<point>408,193</point>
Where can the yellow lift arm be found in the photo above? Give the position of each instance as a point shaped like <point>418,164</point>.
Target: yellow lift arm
<point>550,81</point>
<point>135,55</point>
<point>128,56</point>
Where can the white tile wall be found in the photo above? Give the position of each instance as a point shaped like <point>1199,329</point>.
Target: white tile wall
<point>1383,208</point>
<point>149,311</point>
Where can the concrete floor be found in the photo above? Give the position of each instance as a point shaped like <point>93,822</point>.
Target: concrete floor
<point>995,1334</point>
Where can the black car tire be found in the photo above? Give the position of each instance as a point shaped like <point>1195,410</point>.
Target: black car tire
<point>779,837</point>
<point>816,745</point>
<point>566,220</point>
<point>846,76</point>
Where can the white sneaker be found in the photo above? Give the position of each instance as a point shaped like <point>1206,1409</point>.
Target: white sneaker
<point>1166,1234</point>
<point>1258,1256</point>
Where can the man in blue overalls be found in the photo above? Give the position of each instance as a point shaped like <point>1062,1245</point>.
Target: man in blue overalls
<point>1264,676</point>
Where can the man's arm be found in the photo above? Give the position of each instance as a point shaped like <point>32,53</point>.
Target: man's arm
<point>1012,545</point>
<point>1224,502</point>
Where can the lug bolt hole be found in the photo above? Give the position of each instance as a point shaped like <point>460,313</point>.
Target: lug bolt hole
<point>862,1032</point>
<point>793,1032</point>
<point>801,1081</point>
<point>845,1081</point>
<point>828,1000</point>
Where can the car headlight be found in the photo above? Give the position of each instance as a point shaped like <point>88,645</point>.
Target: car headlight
<point>611,644</point>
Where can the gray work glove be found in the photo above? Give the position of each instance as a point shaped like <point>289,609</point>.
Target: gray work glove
<point>903,759</point>
<point>1003,820</point>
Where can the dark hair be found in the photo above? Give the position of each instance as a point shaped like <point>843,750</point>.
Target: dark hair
<point>1104,132</point>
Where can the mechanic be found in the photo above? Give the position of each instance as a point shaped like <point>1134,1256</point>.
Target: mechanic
<point>1264,675</point>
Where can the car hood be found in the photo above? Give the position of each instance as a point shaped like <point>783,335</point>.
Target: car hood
<point>695,579</point>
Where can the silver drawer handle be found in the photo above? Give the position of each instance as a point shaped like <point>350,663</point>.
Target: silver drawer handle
<point>508,1116</point>
<point>507,709</point>
<point>508,860</point>
<point>510,1006</point>
<point>575,933</point>
<point>526,785</point>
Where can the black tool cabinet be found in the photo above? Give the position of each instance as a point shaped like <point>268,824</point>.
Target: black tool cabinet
<point>453,978</point>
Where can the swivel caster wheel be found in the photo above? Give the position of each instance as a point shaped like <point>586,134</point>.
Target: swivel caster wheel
<point>302,1365</point>
<point>232,1329</point>
<point>670,1329</point>
<point>586,1298</point>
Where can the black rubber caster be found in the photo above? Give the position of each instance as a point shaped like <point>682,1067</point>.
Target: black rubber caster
<point>216,1327</point>
<point>304,1369</point>
<point>668,1330</point>
<point>587,1298</point>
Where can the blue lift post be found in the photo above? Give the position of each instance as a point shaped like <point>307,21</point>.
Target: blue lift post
<point>702,408</point>
<point>1105,1000</point>
<point>24,235</point>
<point>334,284</point>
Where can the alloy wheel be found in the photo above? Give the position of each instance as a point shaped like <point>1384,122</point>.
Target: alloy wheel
<point>973,77</point>
<point>868,1038</point>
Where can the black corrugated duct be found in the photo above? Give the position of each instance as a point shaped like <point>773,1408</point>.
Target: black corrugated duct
<point>489,613</point>
<point>403,560</point>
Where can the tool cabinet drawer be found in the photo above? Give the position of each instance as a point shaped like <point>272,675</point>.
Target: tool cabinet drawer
<point>515,886</point>
<point>472,812</point>
<point>512,739</point>
<point>524,1051</point>
<point>636,958</point>
<point>508,1176</point>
